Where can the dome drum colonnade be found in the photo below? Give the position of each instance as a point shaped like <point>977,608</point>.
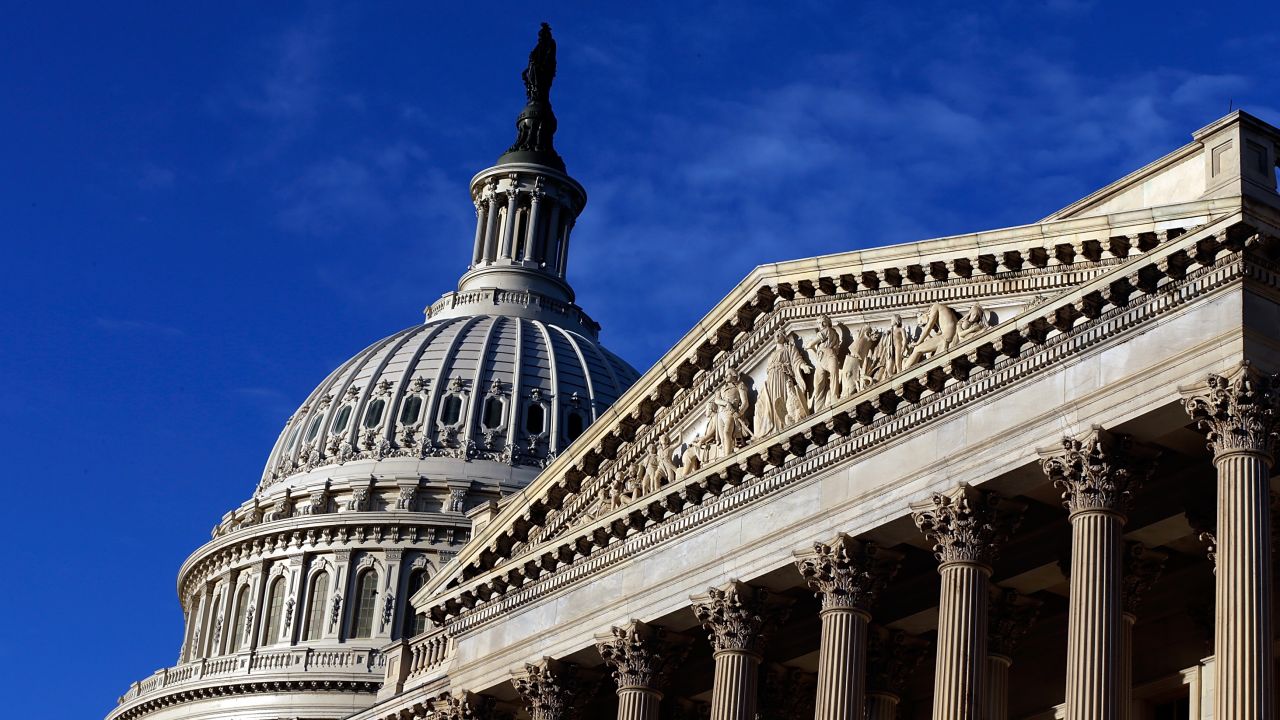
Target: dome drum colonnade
<point>1099,473</point>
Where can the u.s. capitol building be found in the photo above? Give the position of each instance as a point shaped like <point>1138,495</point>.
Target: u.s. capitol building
<point>1019,473</point>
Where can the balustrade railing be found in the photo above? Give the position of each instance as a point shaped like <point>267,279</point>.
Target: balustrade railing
<point>429,652</point>
<point>259,662</point>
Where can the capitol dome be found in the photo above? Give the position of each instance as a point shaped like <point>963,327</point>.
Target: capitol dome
<point>472,387</point>
<point>373,484</point>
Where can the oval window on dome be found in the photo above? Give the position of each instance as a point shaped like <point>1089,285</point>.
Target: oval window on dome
<point>492,417</point>
<point>574,425</point>
<point>411,410</point>
<point>293,439</point>
<point>451,410</point>
<point>373,415</point>
<point>314,427</point>
<point>535,419</point>
<point>344,417</point>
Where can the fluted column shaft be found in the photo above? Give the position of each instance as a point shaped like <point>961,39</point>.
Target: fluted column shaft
<point>733,696</point>
<point>1244,680</point>
<point>1240,410</point>
<point>842,663</point>
<point>882,706</point>
<point>531,237</point>
<point>738,618</point>
<point>509,227</point>
<point>491,229</point>
<point>998,687</point>
<point>637,703</point>
<point>962,641</point>
<point>1093,624</point>
<point>1127,621</point>
<point>482,212</point>
<point>968,526</point>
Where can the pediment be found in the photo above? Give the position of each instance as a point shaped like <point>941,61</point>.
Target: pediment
<point>940,309</point>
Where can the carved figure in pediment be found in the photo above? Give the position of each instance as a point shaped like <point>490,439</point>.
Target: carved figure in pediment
<point>942,328</point>
<point>893,351</point>
<point>617,493</point>
<point>859,370</point>
<point>827,347</point>
<point>656,470</point>
<point>973,323</point>
<point>784,398</point>
<point>727,428</point>
<point>690,461</point>
<point>939,327</point>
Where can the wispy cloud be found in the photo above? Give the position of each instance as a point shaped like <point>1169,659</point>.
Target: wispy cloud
<point>844,158</point>
<point>291,86</point>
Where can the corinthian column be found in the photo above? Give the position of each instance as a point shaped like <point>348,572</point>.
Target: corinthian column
<point>1239,409</point>
<point>1098,472</point>
<point>967,527</point>
<point>738,618</point>
<point>462,706</point>
<point>847,575</point>
<point>1142,567</point>
<point>641,657</point>
<point>1011,616</point>
<point>892,658</point>
<point>553,690</point>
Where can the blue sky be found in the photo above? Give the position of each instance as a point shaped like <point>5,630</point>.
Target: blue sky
<point>206,207</point>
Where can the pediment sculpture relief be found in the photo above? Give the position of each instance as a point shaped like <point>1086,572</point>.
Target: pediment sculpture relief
<point>800,377</point>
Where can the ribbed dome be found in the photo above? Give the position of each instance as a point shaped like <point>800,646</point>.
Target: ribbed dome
<point>486,387</point>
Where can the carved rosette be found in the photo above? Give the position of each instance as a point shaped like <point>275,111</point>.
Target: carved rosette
<point>1142,568</point>
<point>553,690</point>
<point>1098,470</point>
<point>1238,409</point>
<point>642,655</point>
<point>966,524</point>
<point>1011,616</point>
<point>463,706</point>
<point>737,616</point>
<point>847,573</point>
<point>892,659</point>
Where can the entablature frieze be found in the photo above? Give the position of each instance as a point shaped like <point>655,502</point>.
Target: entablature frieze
<point>1102,308</point>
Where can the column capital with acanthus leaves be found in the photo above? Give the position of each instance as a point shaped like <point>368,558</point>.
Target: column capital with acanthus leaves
<point>967,525</point>
<point>1239,409</point>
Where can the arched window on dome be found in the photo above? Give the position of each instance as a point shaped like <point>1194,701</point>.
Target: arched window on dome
<point>451,409</point>
<point>535,419</point>
<point>211,628</point>
<point>411,410</point>
<point>236,619</point>
<point>274,609</point>
<point>373,414</point>
<point>314,428</point>
<point>316,595</point>
<point>344,417</point>
<point>494,411</point>
<point>366,599</point>
<point>414,623</point>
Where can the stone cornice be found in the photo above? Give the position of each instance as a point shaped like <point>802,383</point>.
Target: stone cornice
<point>1115,303</point>
<point>654,394</point>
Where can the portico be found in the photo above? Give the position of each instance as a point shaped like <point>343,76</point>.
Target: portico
<point>1007,524</point>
